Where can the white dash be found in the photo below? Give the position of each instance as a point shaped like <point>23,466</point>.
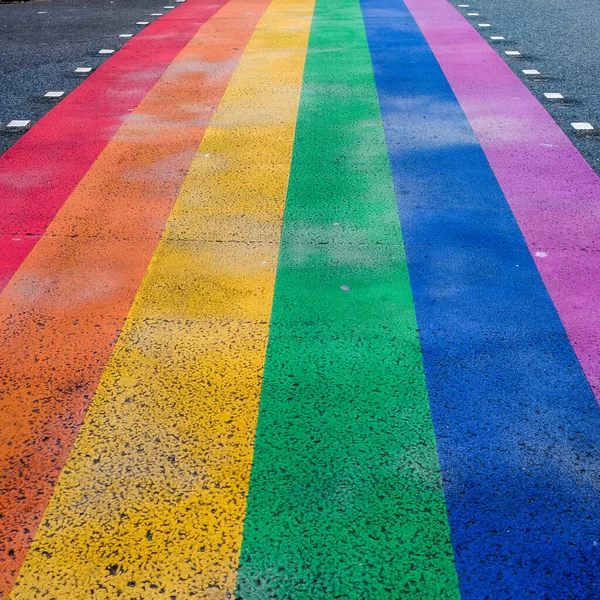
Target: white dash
<point>126,35</point>
<point>105,51</point>
<point>582,126</point>
<point>18,123</point>
<point>531,72</point>
<point>142,22</point>
<point>541,254</point>
<point>512,53</point>
<point>463,5</point>
<point>53,94</point>
<point>42,12</point>
<point>484,25</point>
<point>472,14</point>
<point>83,69</point>
<point>553,95</point>
<point>156,14</point>
<point>496,37</point>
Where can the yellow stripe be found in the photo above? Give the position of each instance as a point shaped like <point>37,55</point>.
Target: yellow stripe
<point>152,499</point>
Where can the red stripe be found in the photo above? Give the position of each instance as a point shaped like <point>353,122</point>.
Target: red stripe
<point>41,170</point>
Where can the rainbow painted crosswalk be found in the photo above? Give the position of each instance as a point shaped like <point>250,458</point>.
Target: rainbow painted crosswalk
<point>311,319</point>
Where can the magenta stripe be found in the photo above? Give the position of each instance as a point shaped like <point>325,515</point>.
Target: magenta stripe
<point>552,191</point>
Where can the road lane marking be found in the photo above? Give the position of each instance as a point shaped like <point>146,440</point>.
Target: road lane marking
<point>82,275</point>
<point>53,94</point>
<point>18,123</point>
<point>453,243</point>
<point>345,499</point>
<point>582,126</point>
<point>180,392</point>
<point>65,143</point>
<point>553,95</point>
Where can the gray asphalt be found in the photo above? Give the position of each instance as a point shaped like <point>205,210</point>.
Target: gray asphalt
<point>40,52</point>
<point>561,39</point>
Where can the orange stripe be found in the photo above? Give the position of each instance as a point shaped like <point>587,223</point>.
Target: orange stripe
<point>62,311</point>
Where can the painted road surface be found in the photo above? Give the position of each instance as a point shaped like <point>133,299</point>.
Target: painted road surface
<point>299,301</point>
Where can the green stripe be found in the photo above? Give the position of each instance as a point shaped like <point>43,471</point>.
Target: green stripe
<point>345,495</point>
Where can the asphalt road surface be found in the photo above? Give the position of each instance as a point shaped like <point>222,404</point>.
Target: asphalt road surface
<point>560,40</point>
<point>45,41</point>
<point>299,299</point>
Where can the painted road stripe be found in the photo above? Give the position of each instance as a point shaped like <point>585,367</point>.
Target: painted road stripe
<point>153,495</point>
<point>38,172</point>
<point>582,126</point>
<point>63,310</point>
<point>345,497</point>
<point>518,430</point>
<point>553,192</point>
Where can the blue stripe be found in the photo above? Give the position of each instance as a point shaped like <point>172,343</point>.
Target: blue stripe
<point>517,426</point>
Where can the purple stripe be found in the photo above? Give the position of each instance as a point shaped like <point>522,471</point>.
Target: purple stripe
<point>552,191</point>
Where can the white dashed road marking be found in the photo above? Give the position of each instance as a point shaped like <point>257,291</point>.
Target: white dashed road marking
<point>582,126</point>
